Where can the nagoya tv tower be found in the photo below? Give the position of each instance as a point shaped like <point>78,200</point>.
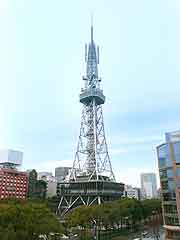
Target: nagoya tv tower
<point>91,180</point>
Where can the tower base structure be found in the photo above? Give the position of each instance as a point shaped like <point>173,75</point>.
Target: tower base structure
<point>74,194</point>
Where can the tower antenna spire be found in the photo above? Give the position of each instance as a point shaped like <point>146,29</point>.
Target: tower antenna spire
<point>91,27</point>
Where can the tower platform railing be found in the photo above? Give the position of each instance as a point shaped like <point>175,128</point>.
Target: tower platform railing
<point>88,94</point>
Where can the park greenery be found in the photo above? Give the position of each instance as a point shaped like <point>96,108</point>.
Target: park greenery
<point>30,219</point>
<point>27,220</point>
<point>122,214</point>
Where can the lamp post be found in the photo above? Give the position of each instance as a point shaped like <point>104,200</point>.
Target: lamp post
<point>96,230</point>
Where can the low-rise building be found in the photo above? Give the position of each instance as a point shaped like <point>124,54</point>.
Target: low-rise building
<point>51,183</point>
<point>46,176</point>
<point>61,173</point>
<point>13,184</point>
<point>51,188</point>
<point>131,192</point>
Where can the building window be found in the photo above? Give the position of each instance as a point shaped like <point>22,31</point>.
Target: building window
<point>171,186</point>
<point>164,156</point>
<point>170,209</point>
<point>177,151</point>
<point>178,171</point>
<point>178,183</point>
<point>171,220</point>
<point>170,173</point>
<point>163,174</point>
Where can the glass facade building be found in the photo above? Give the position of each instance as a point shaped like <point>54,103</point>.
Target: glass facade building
<point>148,186</point>
<point>169,172</point>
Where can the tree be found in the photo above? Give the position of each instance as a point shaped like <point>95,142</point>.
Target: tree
<point>122,213</point>
<point>26,220</point>
<point>37,188</point>
<point>32,183</point>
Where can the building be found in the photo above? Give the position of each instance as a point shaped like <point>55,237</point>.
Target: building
<point>91,180</point>
<point>51,183</point>
<point>46,176</point>
<point>148,185</point>
<point>131,192</point>
<point>51,188</point>
<point>61,173</point>
<point>13,184</point>
<point>10,158</point>
<point>169,170</point>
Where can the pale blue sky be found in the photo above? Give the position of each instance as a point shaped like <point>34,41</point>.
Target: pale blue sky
<point>41,67</point>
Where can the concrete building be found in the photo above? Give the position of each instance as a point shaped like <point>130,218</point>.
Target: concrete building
<point>46,176</point>
<point>61,173</point>
<point>13,184</point>
<point>131,192</point>
<point>51,188</point>
<point>51,183</point>
<point>169,171</point>
<point>148,185</point>
<point>10,158</point>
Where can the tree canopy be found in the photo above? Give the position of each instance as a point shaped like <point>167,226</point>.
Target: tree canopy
<point>26,220</point>
<point>124,211</point>
<point>37,188</point>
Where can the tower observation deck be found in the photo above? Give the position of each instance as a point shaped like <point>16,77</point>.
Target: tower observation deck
<point>91,180</point>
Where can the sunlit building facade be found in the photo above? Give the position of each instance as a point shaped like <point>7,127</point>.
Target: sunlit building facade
<point>169,171</point>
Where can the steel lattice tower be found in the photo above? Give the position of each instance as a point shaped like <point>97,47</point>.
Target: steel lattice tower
<point>92,159</point>
<point>91,179</point>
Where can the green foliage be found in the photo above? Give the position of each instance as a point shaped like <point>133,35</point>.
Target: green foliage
<point>26,220</point>
<point>37,188</point>
<point>124,212</point>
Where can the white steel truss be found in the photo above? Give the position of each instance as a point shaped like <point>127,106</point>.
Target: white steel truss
<point>92,157</point>
<point>91,180</point>
<point>69,202</point>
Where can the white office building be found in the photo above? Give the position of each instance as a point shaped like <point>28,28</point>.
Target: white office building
<point>61,173</point>
<point>46,176</point>
<point>131,192</point>
<point>10,158</point>
<point>51,183</point>
<point>148,185</point>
